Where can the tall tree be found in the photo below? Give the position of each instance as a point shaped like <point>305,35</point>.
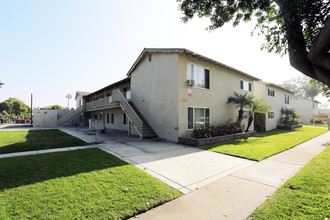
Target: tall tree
<point>299,27</point>
<point>302,86</point>
<point>241,101</point>
<point>14,107</point>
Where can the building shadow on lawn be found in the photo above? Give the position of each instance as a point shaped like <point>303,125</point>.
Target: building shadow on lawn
<point>25,170</point>
<point>41,140</point>
<point>273,132</point>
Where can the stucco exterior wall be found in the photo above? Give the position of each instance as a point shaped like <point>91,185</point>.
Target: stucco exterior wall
<point>154,87</point>
<point>223,83</point>
<point>118,119</point>
<point>276,103</point>
<point>305,107</point>
<point>48,118</point>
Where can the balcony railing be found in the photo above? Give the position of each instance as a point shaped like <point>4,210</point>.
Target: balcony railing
<point>106,102</point>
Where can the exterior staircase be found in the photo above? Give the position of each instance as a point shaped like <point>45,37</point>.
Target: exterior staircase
<point>148,132</point>
<point>70,116</point>
<point>136,118</point>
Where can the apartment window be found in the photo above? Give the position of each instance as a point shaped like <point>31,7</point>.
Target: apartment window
<point>198,117</point>
<point>96,116</point>
<point>287,99</point>
<point>200,75</point>
<point>112,118</point>
<point>246,114</point>
<point>125,121</point>
<point>109,98</point>
<point>245,85</point>
<point>108,118</point>
<point>271,92</point>
<point>150,57</point>
<point>80,102</point>
<point>271,114</point>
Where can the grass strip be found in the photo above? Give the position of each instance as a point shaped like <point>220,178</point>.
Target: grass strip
<point>77,185</point>
<point>30,140</point>
<point>266,144</point>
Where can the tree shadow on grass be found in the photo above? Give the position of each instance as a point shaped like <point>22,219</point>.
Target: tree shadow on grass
<point>273,132</point>
<point>25,170</point>
<point>41,140</point>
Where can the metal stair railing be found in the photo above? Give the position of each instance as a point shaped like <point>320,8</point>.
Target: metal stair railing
<point>143,108</point>
<point>71,115</point>
<point>117,96</point>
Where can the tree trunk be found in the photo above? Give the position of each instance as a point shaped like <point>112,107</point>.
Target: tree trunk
<point>240,114</point>
<point>249,123</point>
<point>316,62</point>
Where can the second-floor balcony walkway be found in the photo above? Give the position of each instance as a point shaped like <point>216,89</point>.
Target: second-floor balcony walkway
<point>105,103</point>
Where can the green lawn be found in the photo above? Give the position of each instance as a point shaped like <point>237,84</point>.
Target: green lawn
<point>304,196</point>
<point>29,140</point>
<point>77,185</point>
<point>266,144</point>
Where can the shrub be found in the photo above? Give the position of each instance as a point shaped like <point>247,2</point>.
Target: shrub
<point>214,130</point>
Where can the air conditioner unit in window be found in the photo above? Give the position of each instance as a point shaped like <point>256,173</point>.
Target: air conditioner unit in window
<point>190,82</point>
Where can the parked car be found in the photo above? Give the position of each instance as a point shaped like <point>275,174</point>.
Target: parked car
<point>2,120</point>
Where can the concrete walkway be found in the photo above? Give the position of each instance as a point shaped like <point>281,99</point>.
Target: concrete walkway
<point>46,151</point>
<point>238,194</point>
<point>181,167</point>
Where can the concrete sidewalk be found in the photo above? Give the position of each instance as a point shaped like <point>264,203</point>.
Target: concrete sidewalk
<point>25,153</point>
<point>237,195</point>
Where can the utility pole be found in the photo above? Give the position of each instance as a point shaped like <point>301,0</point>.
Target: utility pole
<point>68,96</point>
<point>31,108</point>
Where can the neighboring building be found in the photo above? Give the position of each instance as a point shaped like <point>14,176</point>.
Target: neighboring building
<point>168,93</point>
<point>79,120</point>
<point>79,98</point>
<point>48,118</point>
<point>305,107</point>
<point>274,96</point>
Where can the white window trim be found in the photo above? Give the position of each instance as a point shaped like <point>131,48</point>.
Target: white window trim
<point>188,129</point>
<point>243,85</point>
<point>196,87</point>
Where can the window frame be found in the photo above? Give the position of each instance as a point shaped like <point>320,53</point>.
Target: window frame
<point>193,76</point>
<point>271,92</point>
<point>193,108</point>
<point>112,118</point>
<point>108,118</point>
<point>249,85</point>
<point>125,119</point>
<point>286,99</point>
<point>271,115</point>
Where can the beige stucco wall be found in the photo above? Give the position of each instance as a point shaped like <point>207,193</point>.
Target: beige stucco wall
<point>276,103</point>
<point>305,107</point>
<point>118,119</point>
<point>223,83</point>
<point>154,87</point>
<point>48,118</point>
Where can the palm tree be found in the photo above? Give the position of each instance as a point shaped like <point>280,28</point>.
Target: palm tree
<point>256,106</point>
<point>289,115</point>
<point>240,101</point>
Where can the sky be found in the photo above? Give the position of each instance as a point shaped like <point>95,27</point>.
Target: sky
<point>54,48</point>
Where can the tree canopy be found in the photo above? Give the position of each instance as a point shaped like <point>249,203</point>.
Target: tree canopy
<point>14,107</point>
<point>57,107</point>
<point>300,28</point>
<point>302,86</point>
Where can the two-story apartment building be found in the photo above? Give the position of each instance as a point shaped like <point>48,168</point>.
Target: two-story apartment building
<point>168,93</point>
<point>306,107</point>
<point>274,96</point>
